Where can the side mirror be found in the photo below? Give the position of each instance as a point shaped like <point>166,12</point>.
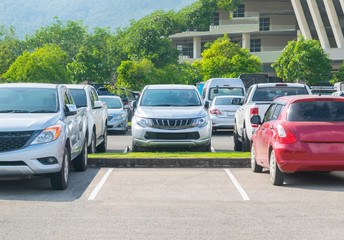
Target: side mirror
<point>256,120</point>
<point>71,110</point>
<point>134,104</point>
<point>206,104</point>
<point>98,104</point>
<point>237,101</point>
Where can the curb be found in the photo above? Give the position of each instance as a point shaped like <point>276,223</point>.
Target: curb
<point>170,162</point>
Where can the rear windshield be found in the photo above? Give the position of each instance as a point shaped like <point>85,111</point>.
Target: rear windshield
<point>28,100</point>
<point>170,97</point>
<point>79,96</point>
<point>271,93</point>
<point>224,101</point>
<point>112,103</point>
<point>317,111</point>
<point>225,91</point>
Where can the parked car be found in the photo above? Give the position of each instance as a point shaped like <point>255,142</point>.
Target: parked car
<point>87,97</point>
<point>126,96</point>
<point>41,132</point>
<point>299,133</point>
<point>117,113</point>
<point>256,102</point>
<point>338,93</point>
<point>222,112</point>
<point>170,116</point>
<point>222,87</point>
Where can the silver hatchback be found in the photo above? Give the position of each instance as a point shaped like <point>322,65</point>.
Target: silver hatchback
<point>171,116</point>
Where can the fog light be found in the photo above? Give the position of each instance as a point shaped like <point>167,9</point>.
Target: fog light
<point>47,160</point>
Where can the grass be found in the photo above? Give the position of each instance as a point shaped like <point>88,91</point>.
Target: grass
<point>172,155</point>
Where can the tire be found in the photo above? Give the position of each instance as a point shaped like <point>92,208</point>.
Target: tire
<point>59,180</point>
<point>206,148</point>
<point>237,143</point>
<point>92,147</point>
<point>276,176</point>
<point>80,162</point>
<point>254,166</point>
<point>246,142</point>
<point>103,146</point>
<point>135,148</point>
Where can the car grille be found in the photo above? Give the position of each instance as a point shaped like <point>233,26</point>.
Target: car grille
<point>172,136</point>
<point>10,141</point>
<point>173,123</point>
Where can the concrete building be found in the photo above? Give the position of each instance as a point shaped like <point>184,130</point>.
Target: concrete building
<point>265,27</point>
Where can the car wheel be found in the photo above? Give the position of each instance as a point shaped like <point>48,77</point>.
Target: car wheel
<point>59,180</point>
<point>254,166</point>
<point>276,176</point>
<point>246,142</point>
<point>237,143</point>
<point>80,162</point>
<point>92,147</point>
<point>103,146</point>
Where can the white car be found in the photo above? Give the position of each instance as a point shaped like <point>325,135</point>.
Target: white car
<point>117,113</point>
<point>256,102</point>
<point>171,116</point>
<point>222,112</point>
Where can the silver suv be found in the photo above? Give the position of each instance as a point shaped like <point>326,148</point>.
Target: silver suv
<point>170,116</point>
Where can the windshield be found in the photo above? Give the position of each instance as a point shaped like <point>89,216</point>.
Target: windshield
<point>271,93</point>
<point>112,103</point>
<point>79,96</point>
<point>28,100</point>
<point>225,91</point>
<point>170,97</point>
<point>317,111</point>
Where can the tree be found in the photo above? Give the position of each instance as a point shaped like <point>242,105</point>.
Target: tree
<point>303,60</point>
<point>92,62</point>
<point>226,59</point>
<point>45,65</point>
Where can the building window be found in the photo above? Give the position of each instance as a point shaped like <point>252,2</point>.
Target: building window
<point>239,42</point>
<point>186,49</point>
<point>255,45</point>
<point>240,12</point>
<point>215,21</point>
<point>264,24</point>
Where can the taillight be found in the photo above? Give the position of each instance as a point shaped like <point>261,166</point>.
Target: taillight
<point>253,111</point>
<point>215,111</point>
<point>284,134</point>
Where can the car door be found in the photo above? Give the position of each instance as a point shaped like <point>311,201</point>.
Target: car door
<point>71,123</point>
<point>241,113</point>
<point>97,114</point>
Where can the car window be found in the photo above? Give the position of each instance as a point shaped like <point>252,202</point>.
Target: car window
<point>95,95</point>
<point>92,100</point>
<point>131,96</point>
<point>277,112</point>
<point>271,93</point>
<point>247,94</point>
<point>224,91</point>
<point>317,111</point>
<point>269,113</point>
<point>79,96</point>
<point>170,97</point>
<point>112,103</point>
<point>70,98</point>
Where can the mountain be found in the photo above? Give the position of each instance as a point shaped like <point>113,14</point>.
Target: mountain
<point>29,15</point>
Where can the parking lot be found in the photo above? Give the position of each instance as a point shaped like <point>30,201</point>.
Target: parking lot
<point>184,203</point>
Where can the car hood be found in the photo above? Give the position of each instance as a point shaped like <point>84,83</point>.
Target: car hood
<point>171,112</point>
<point>26,122</point>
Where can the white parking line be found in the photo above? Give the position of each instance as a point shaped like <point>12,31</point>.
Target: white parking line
<point>100,185</point>
<point>237,185</point>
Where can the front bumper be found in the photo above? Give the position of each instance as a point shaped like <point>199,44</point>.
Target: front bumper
<point>301,156</point>
<point>119,125</point>
<point>24,161</point>
<point>139,135</point>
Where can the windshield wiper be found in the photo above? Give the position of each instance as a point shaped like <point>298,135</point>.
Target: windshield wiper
<point>43,111</point>
<point>14,111</point>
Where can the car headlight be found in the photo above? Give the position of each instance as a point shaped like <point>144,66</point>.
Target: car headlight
<point>200,122</point>
<point>120,116</point>
<point>144,122</point>
<point>48,135</point>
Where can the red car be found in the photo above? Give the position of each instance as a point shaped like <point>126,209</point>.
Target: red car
<point>299,133</point>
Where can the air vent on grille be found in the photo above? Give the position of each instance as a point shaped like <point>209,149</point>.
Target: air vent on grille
<point>10,141</point>
<point>172,136</point>
<point>172,123</point>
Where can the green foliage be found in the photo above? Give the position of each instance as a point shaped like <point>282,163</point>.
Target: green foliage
<point>303,60</point>
<point>92,62</point>
<point>226,59</point>
<point>338,76</point>
<point>45,65</point>
<point>69,36</point>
